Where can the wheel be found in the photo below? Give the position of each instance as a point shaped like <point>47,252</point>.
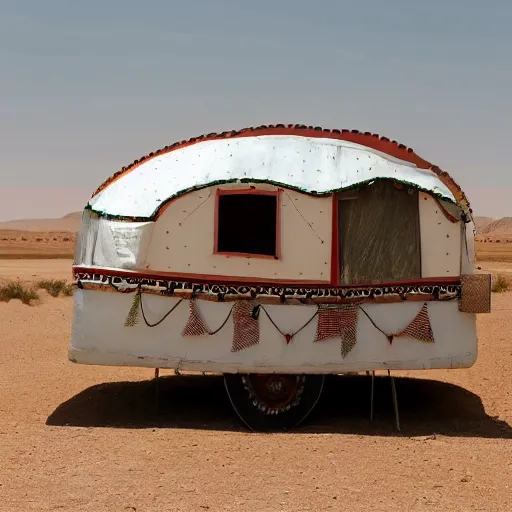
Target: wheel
<point>268,402</point>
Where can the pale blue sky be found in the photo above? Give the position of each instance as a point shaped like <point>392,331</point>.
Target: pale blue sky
<point>87,87</point>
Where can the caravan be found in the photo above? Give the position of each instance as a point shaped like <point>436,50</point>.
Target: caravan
<point>275,256</point>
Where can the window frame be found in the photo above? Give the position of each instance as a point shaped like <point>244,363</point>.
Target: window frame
<point>254,192</point>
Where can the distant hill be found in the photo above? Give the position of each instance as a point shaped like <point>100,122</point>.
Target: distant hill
<point>70,222</point>
<point>481,223</point>
<point>500,227</point>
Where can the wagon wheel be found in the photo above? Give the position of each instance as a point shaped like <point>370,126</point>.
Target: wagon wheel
<point>271,402</point>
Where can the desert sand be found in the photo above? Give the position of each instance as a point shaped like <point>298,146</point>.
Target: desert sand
<point>39,238</point>
<point>76,437</point>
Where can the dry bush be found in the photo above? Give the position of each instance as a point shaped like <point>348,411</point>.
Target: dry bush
<point>18,290</point>
<point>56,286</point>
<point>68,290</point>
<point>501,284</point>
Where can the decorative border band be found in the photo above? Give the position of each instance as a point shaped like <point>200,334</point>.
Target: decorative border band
<point>270,293</point>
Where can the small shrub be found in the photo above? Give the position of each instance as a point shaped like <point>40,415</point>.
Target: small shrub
<point>56,286</point>
<point>17,290</point>
<point>68,290</point>
<point>501,284</point>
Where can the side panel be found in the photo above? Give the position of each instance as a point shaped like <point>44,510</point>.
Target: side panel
<point>183,239</point>
<point>100,337</point>
<point>440,240</point>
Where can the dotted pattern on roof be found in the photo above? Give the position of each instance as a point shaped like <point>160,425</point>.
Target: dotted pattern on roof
<point>368,139</point>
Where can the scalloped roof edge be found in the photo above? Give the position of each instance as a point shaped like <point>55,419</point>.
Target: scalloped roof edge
<point>368,139</point>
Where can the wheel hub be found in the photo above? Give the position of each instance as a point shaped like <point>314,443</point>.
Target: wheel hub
<point>275,387</point>
<point>273,394</point>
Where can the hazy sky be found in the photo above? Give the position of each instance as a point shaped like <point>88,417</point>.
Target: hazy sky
<point>87,87</point>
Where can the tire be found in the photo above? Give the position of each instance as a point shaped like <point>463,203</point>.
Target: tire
<point>272,402</point>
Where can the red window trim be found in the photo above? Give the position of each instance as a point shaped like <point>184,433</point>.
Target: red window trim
<point>255,192</point>
<point>335,255</point>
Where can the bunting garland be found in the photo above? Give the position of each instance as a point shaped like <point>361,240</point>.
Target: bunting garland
<point>246,331</point>
<point>288,336</point>
<point>246,327</point>
<point>195,325</point>
<point>334,321</point>
<point>338,322</point>
<point>133,315</point>
<point>419,329</point>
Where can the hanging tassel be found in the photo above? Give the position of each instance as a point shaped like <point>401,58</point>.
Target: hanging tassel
<point>195,325</point>
<point>133,315</point>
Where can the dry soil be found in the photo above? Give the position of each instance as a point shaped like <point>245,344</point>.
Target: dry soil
<point>76,437</point>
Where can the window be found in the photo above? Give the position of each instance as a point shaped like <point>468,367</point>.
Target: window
<point>247,223</point>
<point>379,234</point>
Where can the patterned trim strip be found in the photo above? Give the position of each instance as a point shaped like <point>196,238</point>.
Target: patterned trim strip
<point>271,294</point>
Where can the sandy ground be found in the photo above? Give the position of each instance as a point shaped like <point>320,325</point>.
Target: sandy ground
<point>30,244</point>
<point>494,251</point>
<point>36,269</point>
<point>75,437</point>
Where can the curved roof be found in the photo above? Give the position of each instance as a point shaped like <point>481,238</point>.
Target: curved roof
<point>311,160</point>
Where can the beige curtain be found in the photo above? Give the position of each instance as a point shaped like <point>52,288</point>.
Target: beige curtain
<point>379,235</point>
